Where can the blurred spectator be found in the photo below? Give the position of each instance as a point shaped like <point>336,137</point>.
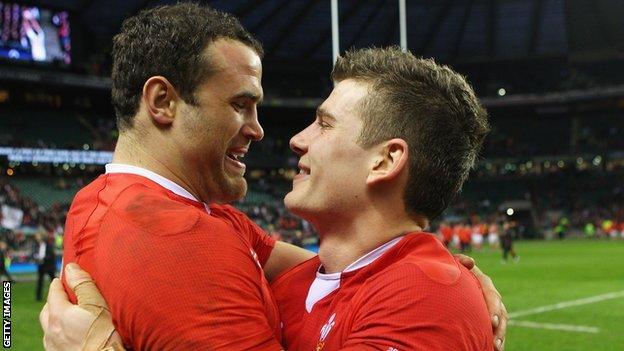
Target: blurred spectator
<point>45,257</point>
<point>509,235</point>
<point>4,257</point>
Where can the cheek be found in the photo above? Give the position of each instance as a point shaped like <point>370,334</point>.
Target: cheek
<point>219,139</point>
<point>323,153</point>
<point>337,163</point>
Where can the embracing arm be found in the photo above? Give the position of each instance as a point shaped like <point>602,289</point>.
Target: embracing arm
<point>276,257</point>
<point>493,301</point>
<point>86,326</point>
<point>283,257</point>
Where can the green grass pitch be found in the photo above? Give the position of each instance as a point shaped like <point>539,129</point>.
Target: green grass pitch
<point>548,273</point>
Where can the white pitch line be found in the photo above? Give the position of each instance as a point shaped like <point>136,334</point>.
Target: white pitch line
<point>560,305</point>
<point>552,326</point>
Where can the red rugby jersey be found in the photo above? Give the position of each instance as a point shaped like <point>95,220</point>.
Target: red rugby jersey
<point>413,296</point>
<point>175,276</point>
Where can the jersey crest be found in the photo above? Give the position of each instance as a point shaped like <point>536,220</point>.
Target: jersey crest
<point>325,331</point>
<point>254,255</point>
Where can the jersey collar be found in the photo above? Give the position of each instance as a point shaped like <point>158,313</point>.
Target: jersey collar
<point>156,178</point>
<point>362,261</point>
<point>325,283</point>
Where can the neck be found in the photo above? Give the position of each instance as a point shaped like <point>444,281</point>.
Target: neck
<point>130,152</point>
<point>344,240</point>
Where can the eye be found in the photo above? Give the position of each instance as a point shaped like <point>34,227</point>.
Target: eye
<point>322,124</point>
<point>238,106</point>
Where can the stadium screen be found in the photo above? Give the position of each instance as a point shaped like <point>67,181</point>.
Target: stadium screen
<point>34,34</point>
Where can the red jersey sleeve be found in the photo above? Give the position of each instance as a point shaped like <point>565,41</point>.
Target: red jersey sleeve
<point>178,279</point>
<point>407,310</point>
<point>260,240</point>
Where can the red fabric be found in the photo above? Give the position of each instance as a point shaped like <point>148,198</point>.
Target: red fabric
<point>174,276</point>
<point>414,297</point>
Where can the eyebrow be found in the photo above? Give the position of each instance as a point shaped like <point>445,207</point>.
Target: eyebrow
<point>321,112</point>
<point>251,96</point>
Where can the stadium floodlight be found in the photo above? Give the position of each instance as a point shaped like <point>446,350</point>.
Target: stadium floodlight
<point>403,25</point>
<point>597,160</point>
<point>335,34</point>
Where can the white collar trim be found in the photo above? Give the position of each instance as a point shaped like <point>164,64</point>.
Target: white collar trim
<point>325,284</point>
<point>156,178</point>
<point>362,261</point>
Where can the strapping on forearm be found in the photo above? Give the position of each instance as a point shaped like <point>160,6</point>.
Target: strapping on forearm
<point>99,332</point>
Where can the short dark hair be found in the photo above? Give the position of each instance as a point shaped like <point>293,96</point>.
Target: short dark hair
<point>429,106</point>
<point>168,41</point>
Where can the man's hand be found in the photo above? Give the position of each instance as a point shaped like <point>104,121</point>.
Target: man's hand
<point>87,326</point>
<point>493,300</point>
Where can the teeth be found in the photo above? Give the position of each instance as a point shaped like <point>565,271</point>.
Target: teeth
<point>236,156</point>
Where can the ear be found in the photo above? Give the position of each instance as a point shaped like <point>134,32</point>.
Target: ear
<point>389,162</point>
<point>161,99</point>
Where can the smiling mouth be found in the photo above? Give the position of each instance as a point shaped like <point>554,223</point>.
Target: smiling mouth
<point>304,172</point>
<point>236,156</point>
<point>234,159</point>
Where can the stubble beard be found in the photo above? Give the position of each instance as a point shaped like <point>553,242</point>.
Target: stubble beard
<point>232,188</point>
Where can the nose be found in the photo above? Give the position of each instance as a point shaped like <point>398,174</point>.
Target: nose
<point>253,130</point>
<point>298,144</point>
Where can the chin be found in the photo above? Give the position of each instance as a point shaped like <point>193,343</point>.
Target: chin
<point>234,190</point>
<point>289,202</point>
<point>294,206</point>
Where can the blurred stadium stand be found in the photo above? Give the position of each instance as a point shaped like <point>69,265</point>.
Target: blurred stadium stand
<point>551,73</point>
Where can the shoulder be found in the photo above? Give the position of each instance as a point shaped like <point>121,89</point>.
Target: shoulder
<point>422,288</point>
<point>420,280</point>
<point>424,298</point>
<point>419,267</point>
<point>88,196</point>
<point>420,256</point>
<point>91,202</point>
<point>235,217</point>
<point>433,284</point>
<point>153,210</point>
<point>229,212</point>
<point>92,188</point>
<point>440,267</point>
<point>225,209</point>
